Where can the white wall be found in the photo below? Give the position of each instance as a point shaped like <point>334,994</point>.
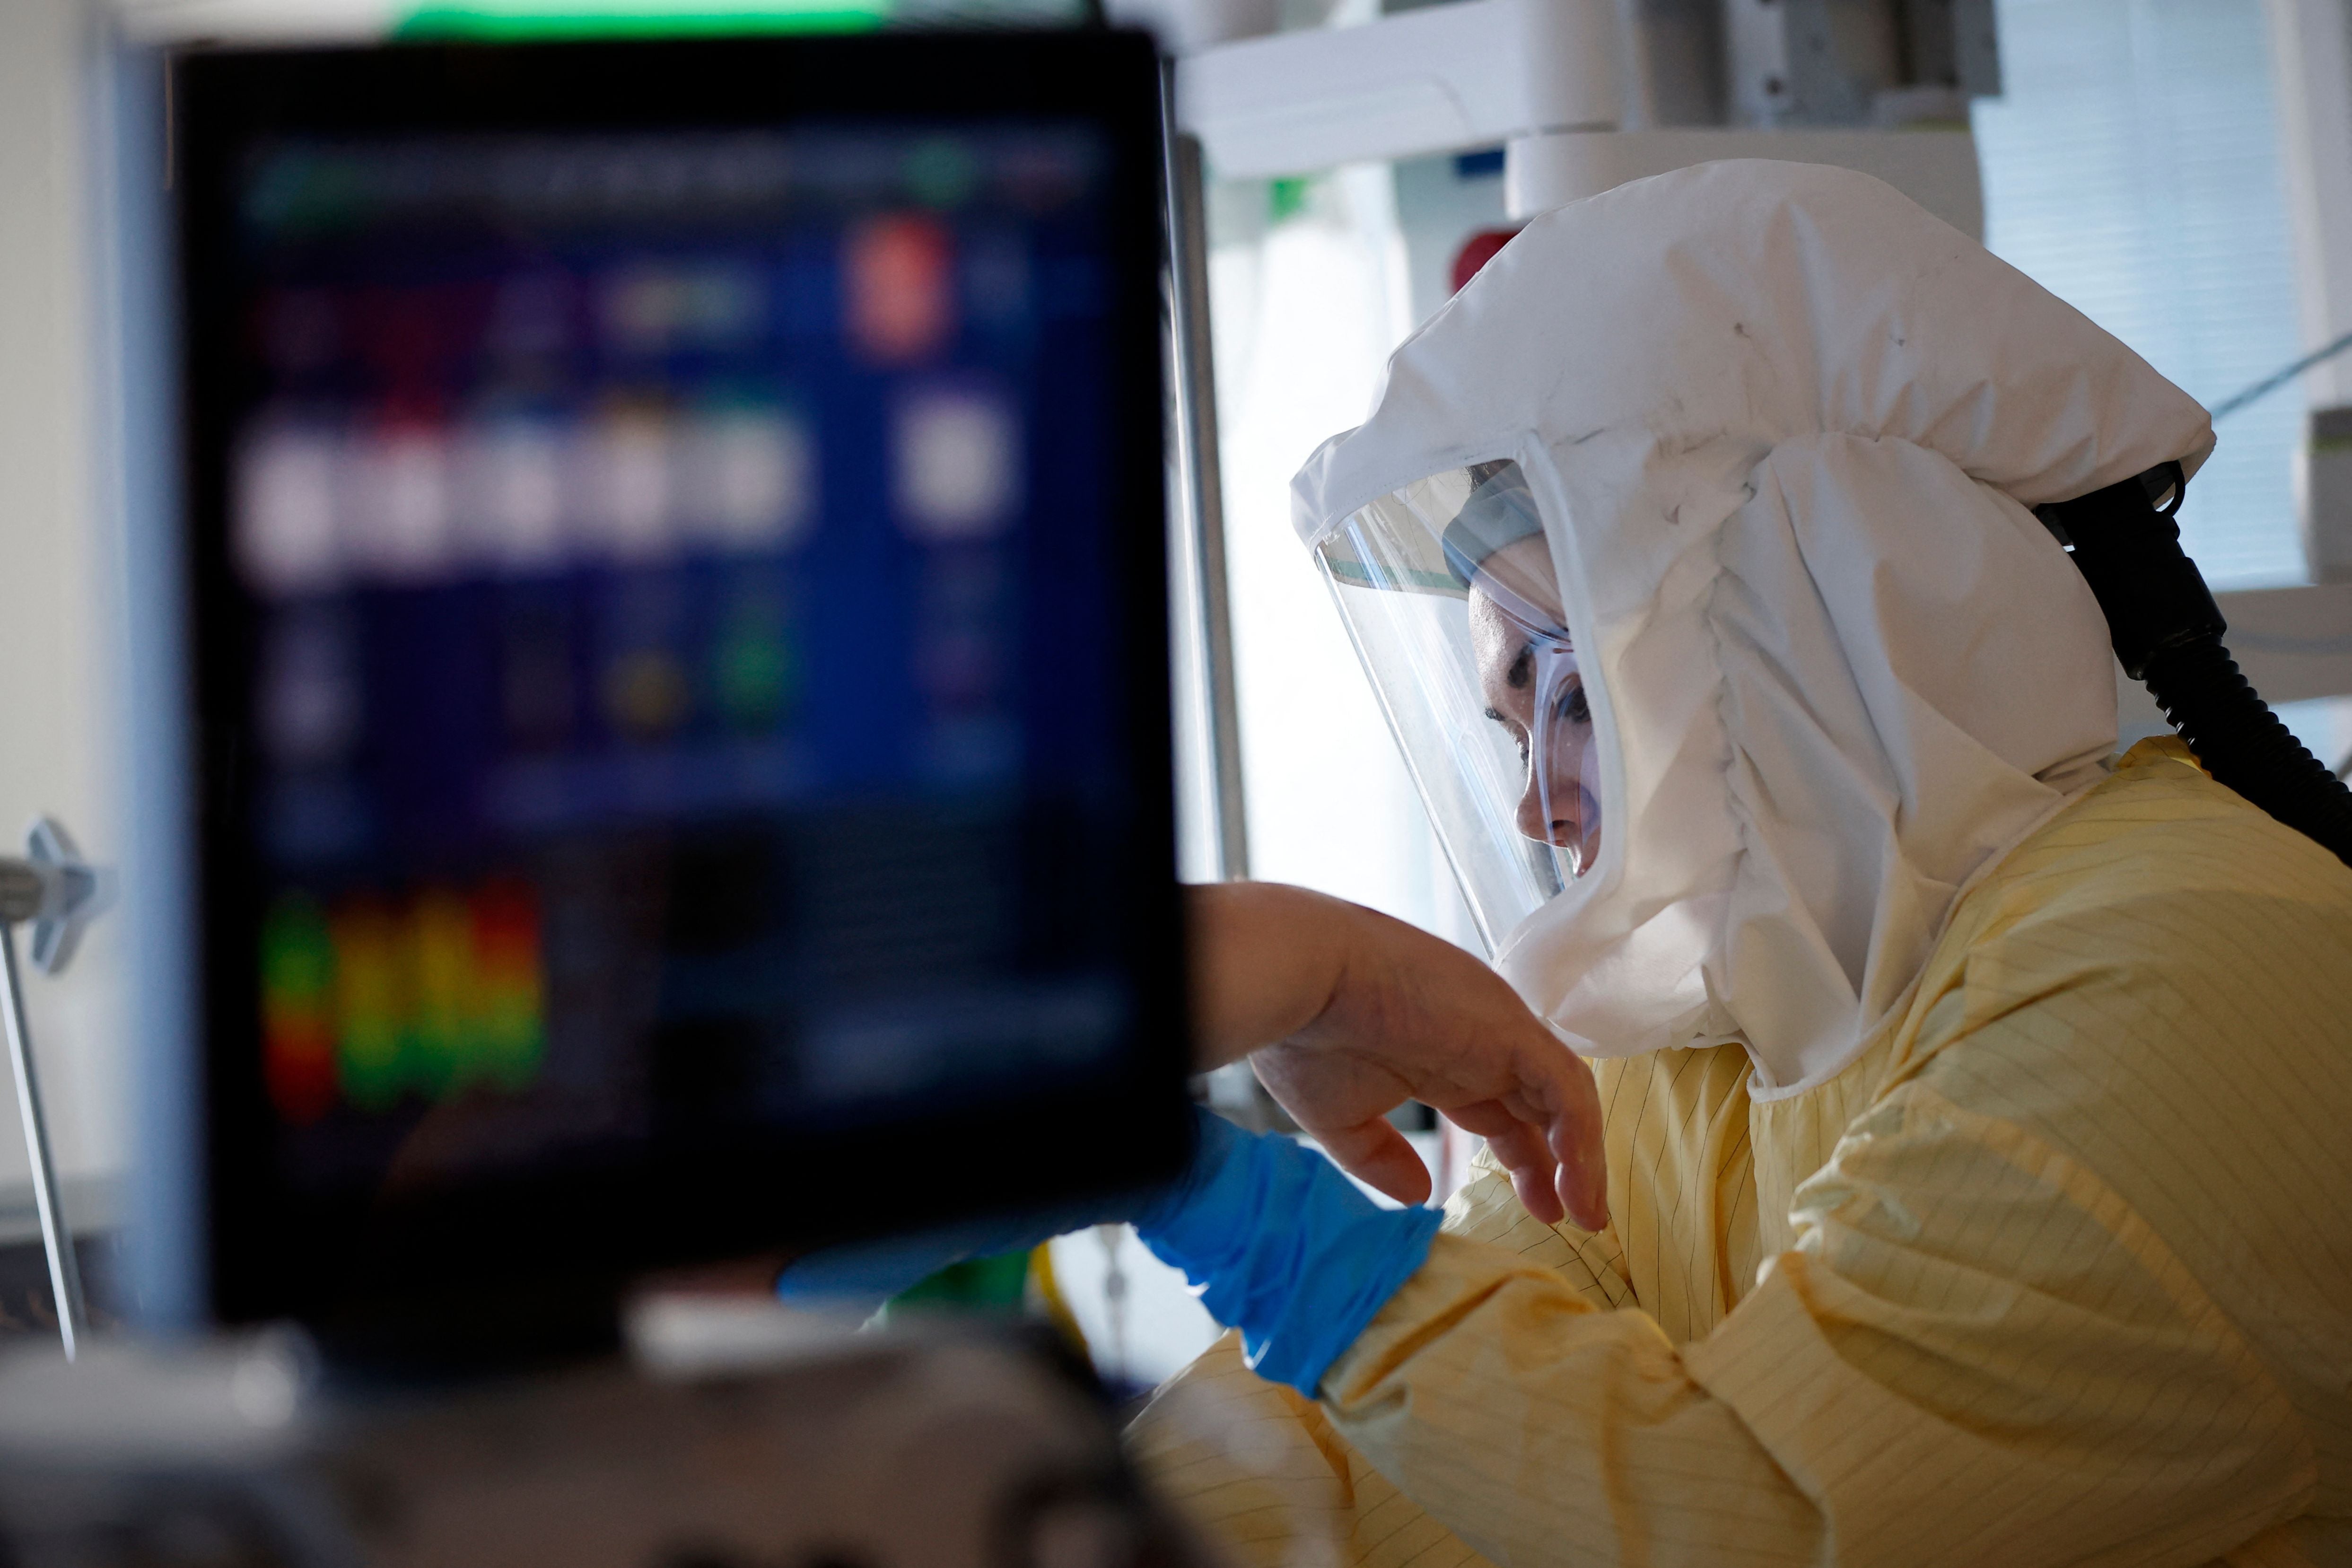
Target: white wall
<point>53,562</point>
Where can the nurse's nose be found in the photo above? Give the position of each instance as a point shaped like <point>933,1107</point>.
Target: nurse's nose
<point>1558,826</point>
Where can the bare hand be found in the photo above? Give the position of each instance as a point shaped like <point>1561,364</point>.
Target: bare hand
<point>1345,1014</point>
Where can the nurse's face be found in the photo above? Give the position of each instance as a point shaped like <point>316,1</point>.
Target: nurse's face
<point>1528,675</point>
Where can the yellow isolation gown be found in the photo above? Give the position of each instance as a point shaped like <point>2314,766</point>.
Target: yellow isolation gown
<point>2058,1269</point>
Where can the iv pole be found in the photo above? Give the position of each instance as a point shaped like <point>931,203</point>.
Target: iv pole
<point>1233,1088</point>
<point>55,889</point>
<point>1209,620</point>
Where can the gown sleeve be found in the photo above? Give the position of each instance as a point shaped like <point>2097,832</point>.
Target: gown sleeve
<point>1976,1353</point>
<point>1265,1471</point>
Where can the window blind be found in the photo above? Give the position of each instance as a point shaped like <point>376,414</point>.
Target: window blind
<point>2132,167</point>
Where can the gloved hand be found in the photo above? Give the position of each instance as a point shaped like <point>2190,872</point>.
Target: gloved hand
<point>1283,1247</point>
<point>1280,1245</point>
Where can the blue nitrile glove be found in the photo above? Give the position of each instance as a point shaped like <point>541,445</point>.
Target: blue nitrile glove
<point>1283,1247</point>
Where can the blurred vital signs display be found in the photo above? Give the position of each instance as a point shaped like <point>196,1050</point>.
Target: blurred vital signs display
<point>651,540</point>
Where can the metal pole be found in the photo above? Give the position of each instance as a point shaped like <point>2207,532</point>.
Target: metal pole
<point>64,1272</point>
<point>1196,445</point>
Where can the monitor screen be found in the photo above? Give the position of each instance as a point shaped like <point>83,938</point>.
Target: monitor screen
<point>679,641</point>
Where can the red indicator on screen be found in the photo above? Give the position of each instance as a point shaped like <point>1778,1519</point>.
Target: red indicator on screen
<point>899,289</point>
<point>377,1001</point>
<point>297,1009</point>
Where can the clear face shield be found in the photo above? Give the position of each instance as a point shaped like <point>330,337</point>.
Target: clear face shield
<point>1448,591</point>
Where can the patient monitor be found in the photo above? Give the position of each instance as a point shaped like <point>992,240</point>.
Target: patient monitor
<point>652,663</point>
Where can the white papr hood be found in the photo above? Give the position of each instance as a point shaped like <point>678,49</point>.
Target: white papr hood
<point>1784,428</point>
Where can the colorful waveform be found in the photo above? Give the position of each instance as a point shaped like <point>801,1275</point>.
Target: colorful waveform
<point>378,1000</point>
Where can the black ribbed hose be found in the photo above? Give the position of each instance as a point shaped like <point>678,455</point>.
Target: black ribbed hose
<point>2166,631</point>
<point>2243,745</point>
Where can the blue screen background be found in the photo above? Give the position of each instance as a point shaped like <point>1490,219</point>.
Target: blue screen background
<point>683,640</point>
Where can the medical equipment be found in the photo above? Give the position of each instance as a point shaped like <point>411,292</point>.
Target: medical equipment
<point>2168,632</point>
<point>1584,95</point>
<point>667,621</point>
<point>675,606</point>
<point>60,893</point>
<point>905,1450</point>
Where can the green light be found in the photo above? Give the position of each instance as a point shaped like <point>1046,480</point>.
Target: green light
<point>510,20</point>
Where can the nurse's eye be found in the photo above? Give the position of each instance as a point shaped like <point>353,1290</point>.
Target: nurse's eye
<point>1518,736</point>
<point>1574,706</point>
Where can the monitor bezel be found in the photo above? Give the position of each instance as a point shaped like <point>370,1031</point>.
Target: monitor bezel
<point>435,1269</point>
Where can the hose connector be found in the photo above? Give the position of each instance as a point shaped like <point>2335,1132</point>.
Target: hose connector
<point>2127,545</point>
